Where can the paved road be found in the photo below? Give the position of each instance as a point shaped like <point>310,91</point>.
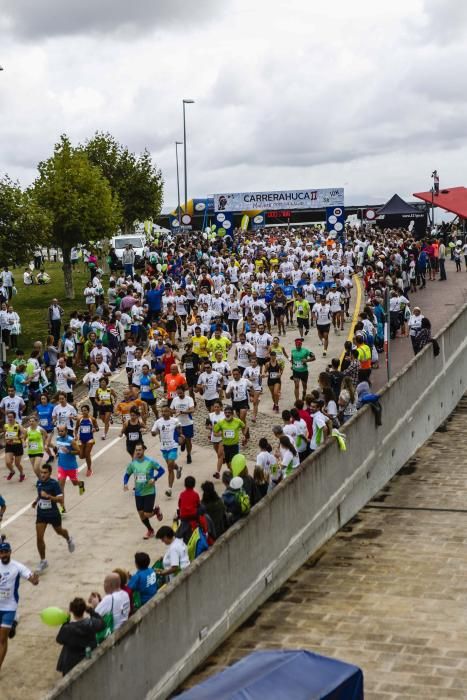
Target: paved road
<point>107,532</point>
<point>388,591</point>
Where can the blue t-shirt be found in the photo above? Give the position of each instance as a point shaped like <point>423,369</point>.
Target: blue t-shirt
<point>45,416</point>
<point>46,508</point>
<point>154,299</point>
<point>18,382</point>
<point>66,460</point>
<point>145,384</point>
<point>2,502</point>
<point>144,582</point>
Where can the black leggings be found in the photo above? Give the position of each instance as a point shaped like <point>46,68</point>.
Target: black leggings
<point>233,325</point>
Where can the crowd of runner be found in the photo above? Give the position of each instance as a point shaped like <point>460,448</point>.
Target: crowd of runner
<point>200,326</point>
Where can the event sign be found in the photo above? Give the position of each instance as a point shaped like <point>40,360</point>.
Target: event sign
<point>282,199</point>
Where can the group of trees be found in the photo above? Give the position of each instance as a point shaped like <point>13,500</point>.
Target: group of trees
<point>82,194</point>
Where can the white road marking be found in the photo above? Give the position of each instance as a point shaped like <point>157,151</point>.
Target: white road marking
<point>23,510</point>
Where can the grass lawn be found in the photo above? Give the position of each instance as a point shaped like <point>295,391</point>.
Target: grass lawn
<point>31,303</point>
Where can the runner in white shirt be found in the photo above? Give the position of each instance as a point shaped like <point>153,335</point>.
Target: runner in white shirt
<point>335,301</point>
<point>253,374</point>
<point>216,415</point>
<point>209,384</point>
<point>64,413</point>
<point>322,315</point>
<point>11,571</point>
<point>243,352</point>
<point>182,407</point>
<point>222,366</point>
<point>167,427</point>
<point>138,363</point>
<point>14,403</point>
<point>239,389</point>
<point>63,377</point>
<point>262,342</point>
<point>129,351</point>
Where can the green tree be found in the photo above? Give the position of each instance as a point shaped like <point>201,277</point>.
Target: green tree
<point>135,179</point>
<point>79,200</point>
<point>23,224</point>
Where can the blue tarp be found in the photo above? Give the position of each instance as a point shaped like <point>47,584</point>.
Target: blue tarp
<point>282,675</point>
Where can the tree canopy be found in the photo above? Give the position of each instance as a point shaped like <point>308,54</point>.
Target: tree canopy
<point>78,199</point>
<point>134,179</point>
<point>23,223</point>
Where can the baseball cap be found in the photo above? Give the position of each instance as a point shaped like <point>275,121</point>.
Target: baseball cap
<point>299,340</point>
<point>236,483</point>
<point>99,341</point>
<point>6,546</point>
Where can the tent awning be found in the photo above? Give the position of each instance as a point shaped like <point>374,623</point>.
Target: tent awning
<point>396,206</point>
<point>275,675</point>
<point>453,199</point>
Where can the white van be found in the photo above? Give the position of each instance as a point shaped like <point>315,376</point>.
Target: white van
<point>137,240</point>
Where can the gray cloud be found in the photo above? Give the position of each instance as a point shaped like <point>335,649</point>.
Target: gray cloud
<point>33,19</point>
<point>445,22</point>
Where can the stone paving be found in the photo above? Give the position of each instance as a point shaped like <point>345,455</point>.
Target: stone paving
<point>388,592</point>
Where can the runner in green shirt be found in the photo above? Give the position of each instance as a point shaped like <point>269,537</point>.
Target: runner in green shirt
<point>146,472</point>
<point>302,312</point>
<point>230,429</point>
<point>300,356</point>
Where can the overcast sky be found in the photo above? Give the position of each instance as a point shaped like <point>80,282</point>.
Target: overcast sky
<point>365,95</point>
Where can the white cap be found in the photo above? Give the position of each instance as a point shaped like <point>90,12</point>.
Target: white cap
<point>236,483</point>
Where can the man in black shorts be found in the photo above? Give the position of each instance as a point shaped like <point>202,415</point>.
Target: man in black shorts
<point>322,315</point>
<point>49,495</point>
<point>190,364</point>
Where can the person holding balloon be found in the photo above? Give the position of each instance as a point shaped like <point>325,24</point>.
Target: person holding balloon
<point>10,573</point>
<point>77,635</point>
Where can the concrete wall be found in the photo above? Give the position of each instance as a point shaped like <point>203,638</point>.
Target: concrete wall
<point>165,641</point>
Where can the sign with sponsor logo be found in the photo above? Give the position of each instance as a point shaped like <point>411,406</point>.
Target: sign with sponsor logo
<point>291,199</point>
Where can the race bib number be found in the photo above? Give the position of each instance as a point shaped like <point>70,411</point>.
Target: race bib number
<point>33,446</point>
<point>229,434</point>
<point>4,595</point>
<point>10,434</point>
<point>133,436</point>
<point>85,429</point>
<point>44,422</point>
<point>44,504</point>
<point>298,364</point>
<point>141,478</point>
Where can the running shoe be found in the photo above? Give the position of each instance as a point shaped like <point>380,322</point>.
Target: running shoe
<point>81,487</point>
<point>50,460</point>
<point>149,534</point>
<point>71,545</point>
<point>43,565</point>
<point>216,475</point>
<point>89,472</point>
<point>324,353</point>
<point>12,632</point>
<point>157,512</point>
<point>188,459</point>
<point>103,437</point>
<point>63,510</point>
<point>183,446</point>
<point>22,477</point>
<point>168,493</point>
<point>10,476</point>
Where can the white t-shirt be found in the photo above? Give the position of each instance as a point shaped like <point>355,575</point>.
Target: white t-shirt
<point>319,421</point>
<point>238,390</point>
<point>265,460</point>
<point>334,299</point>
<point>119,604</point>
<point>9,579</point>
<point>176,555</point>
<point>92,380</point>
<point>138,370</point>
<point>15,404</point>
<point>215,418</point>
<point>166,429</point>
<point>90,295</point>
<point>185,404</point>
<point>62,377</point>
<point>210,381</point>
<point>288,460</point>
<point>243,350</point>
<point>322,314</point>
<point>262,343</point>
<point>64,414</point>
<point>223,368</point>
<point>130,355</point>
<point>253,374</point>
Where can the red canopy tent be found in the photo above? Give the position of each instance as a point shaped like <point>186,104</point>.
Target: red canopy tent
<point>453,199</point>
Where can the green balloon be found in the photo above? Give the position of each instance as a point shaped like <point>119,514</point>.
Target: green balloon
<point>213,227</point>
<point>221,232</point>
<point>54,616</point>
<point>238,464</point>
<point>164,267</point>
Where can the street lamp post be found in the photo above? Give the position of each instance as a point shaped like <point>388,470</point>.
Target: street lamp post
<point>185,102</point>
<point>177,144</point>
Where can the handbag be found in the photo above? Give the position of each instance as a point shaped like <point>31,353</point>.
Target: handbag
<point>108,620</point>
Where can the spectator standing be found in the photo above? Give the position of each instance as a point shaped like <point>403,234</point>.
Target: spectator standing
<point>128,260</point>
<point>55,315</point>
<point>77,635</point>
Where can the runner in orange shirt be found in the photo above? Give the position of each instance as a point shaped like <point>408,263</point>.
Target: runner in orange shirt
<point>173,381</point>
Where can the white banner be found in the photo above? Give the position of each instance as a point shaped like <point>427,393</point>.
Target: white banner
<point>282,199</point>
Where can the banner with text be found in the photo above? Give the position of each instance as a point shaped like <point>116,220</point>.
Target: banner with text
<point>290,199</point>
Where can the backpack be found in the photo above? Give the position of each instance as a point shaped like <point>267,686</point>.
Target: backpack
<point>197,544</point>
<point>243,501</point>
